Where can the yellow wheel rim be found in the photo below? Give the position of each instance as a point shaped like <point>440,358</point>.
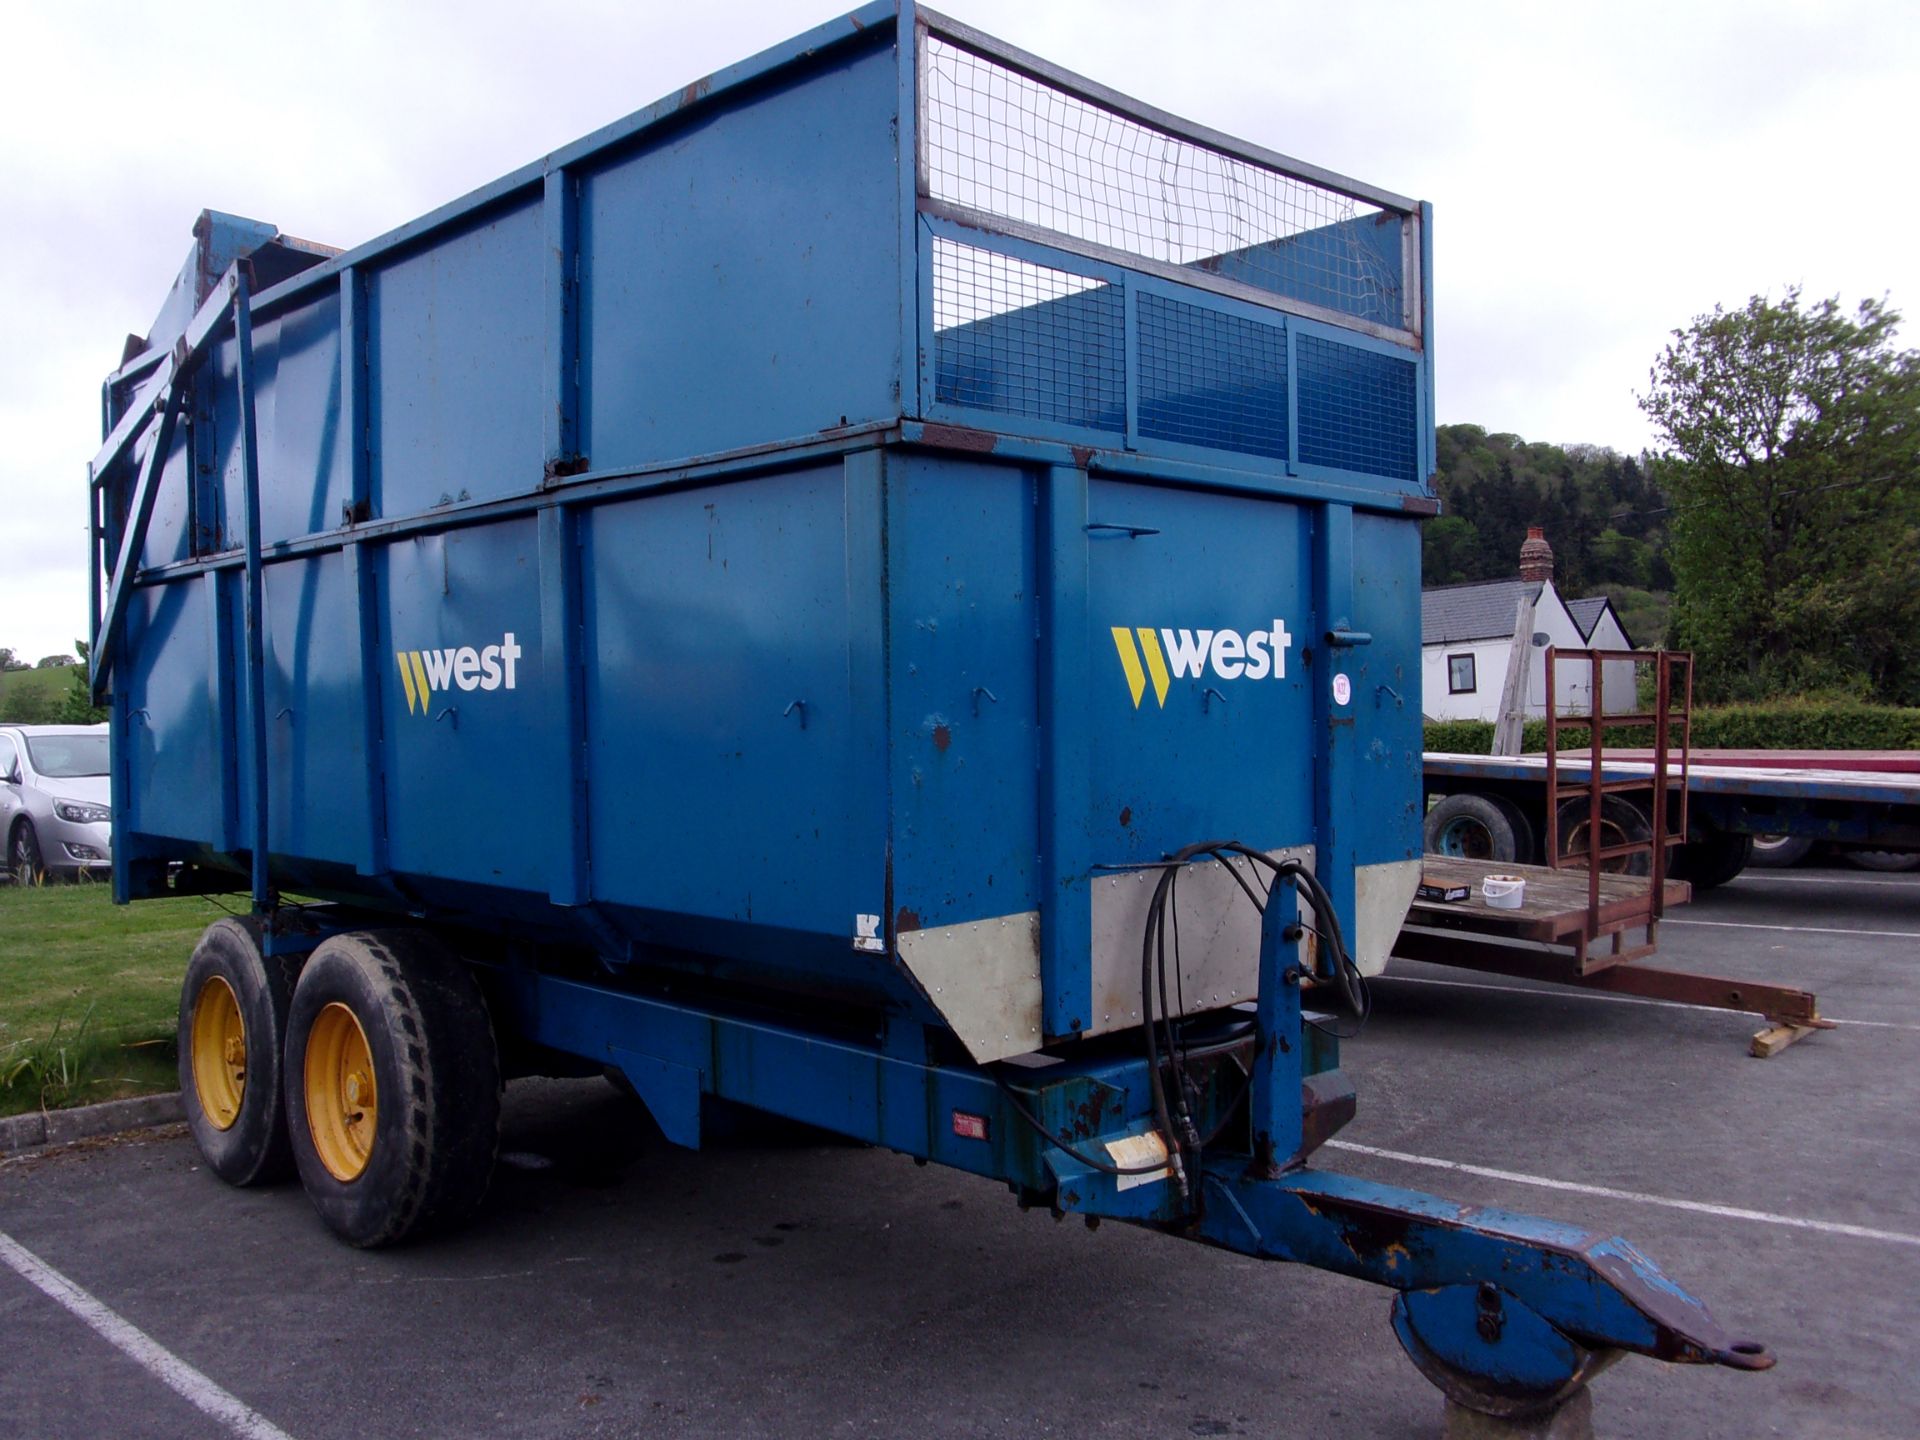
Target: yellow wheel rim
<point>219,1052</point>
<point>343,1103</point>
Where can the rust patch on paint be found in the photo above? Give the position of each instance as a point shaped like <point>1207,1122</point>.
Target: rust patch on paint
<point>958,437</point>
<point>906,921</point>
<point>942,737</point>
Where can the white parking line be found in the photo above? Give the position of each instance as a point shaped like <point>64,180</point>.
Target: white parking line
<point>1757,879</point>
<point>1616,999</point>
<point>1794,929</point>
<point>137,1345</point>
<point>1607,1192</point>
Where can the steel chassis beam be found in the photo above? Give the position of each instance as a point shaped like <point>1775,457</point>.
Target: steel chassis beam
<point>1507,1313</point>
<point>1790,1014</point>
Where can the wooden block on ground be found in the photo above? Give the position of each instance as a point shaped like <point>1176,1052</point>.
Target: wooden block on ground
<point>1571,1419</point>
<point>1775,1038</point>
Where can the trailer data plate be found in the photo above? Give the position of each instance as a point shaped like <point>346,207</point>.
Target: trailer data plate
<point>1133,1151</point>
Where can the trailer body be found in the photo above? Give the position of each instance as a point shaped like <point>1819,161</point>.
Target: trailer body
<point>779,589</point>
<point>704,541</point>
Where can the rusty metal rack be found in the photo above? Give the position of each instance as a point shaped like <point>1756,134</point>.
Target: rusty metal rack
<point>1591,889</point>
<point>1610,840</point>
<point>1547,939</point>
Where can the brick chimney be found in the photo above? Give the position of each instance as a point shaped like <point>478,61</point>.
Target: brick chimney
<point>1536,555</point>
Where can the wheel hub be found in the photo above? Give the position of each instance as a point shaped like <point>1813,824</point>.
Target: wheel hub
<point>218,1052</point>
<point>342,1097</point>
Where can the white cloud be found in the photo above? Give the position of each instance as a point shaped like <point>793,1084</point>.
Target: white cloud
<point>1600,173</point>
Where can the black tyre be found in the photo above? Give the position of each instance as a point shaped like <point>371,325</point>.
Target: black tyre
<point>232,1029</point>
<point>1620,822</point>
<point>1776,852</point>
<point>1712,859</point>
<point>1471,827</point>
<point>393,1086</point>
<point>1887,861</point>
<point>1526,846</point>
<point>24,861</point>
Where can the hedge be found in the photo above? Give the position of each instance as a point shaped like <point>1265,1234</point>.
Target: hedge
<point>1783,725</point>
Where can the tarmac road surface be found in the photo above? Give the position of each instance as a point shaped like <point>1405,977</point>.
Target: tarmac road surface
<point>617,1286</point>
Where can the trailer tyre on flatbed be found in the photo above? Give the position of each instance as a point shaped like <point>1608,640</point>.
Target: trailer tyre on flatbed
<point>393,1086</point>
<point>1621,822</point>
<point>1472,827</point>
<point>1776,852</point>
<point>1712,858</point>
<point>232,1029</point>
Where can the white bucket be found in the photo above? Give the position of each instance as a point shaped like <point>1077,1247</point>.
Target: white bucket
<point>1504,892</point>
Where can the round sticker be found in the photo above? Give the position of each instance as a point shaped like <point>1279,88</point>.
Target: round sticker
<point>1342,690</point>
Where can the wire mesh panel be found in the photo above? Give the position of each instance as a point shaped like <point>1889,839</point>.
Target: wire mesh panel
<point>1004,144</point>
<point>1357,409</point>
<point>1208,378</point>
<point>1027,339</point>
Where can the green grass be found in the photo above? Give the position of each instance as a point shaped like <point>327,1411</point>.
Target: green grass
<point>35,697</point>
<point>88,993</point>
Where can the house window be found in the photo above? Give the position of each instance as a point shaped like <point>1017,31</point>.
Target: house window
<point>1460,680</point>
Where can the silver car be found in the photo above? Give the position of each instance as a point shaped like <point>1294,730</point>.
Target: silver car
<point>54,794</point>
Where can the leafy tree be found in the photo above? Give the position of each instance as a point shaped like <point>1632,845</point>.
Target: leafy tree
<point>1643,613</point>
<point>1624,559</point>
<point>35,705</point>
<point>77,707</point>
<point>1791,439</point>
<point>1600,510</point>
<point>9,661</point>
<point>53,662</point>
<point>1450,550</point>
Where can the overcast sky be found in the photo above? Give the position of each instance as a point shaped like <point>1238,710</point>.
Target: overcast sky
<point>1600,173</point>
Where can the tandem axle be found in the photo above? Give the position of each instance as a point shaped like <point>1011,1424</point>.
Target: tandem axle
<point>1507,1314</point>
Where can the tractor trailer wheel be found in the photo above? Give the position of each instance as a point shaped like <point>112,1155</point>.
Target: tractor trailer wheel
<point>1713,859</point>
<point>393,1086</point>
<point>1525,844</point>
<point>1620,822</point>
<point>1776,852</point>
<point>1471,827</point>
<point>232,1029</point>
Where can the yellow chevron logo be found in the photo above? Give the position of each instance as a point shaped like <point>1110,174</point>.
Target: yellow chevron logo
<point>1130,662</point>
<point>1202,654</point>
<point>424,673</point>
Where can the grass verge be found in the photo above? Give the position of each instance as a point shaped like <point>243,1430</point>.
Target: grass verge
<point>88,993</point>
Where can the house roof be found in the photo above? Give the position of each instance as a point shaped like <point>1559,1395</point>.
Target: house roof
<point>1586,614</point>
<point>1481,610</point>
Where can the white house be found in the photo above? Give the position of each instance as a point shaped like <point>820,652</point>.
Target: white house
<point>1466,638</point>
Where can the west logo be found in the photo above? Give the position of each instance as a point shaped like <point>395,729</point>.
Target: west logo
<point>424,673</point>
<point>1195,654</point>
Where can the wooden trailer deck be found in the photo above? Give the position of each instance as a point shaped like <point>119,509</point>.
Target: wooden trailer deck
<point>1553,934</point>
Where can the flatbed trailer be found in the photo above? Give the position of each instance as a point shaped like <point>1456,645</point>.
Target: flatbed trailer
<point>783,600</point>
<point>1727,806</point>
<point>1552,936</point>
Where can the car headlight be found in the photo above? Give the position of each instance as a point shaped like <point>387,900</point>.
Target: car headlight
<point>81,813</point>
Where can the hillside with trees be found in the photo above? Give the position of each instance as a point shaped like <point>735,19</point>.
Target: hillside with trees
<point>52,692</point>
<point>1601,511</point>
<point>1776,524</point>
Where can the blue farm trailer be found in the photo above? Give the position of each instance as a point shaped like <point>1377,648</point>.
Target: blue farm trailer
<point>882,588</point>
